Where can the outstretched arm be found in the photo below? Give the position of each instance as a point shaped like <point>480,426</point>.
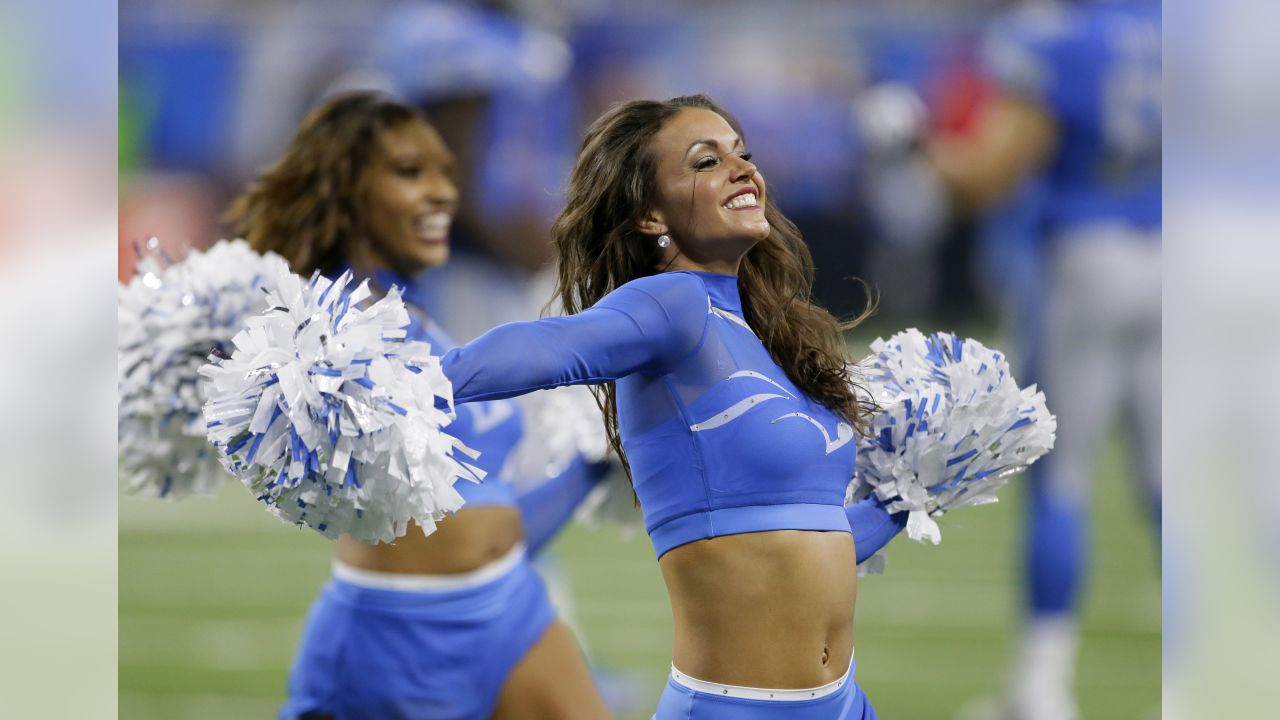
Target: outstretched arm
<point>646,325</point>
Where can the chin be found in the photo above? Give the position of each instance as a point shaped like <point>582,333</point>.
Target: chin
<point>434,256</point>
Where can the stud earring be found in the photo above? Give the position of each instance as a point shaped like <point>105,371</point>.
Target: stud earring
<point>664,241</point>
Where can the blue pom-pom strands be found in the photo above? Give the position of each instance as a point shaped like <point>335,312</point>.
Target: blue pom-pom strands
<point>952,426</point>
<point>169,316</point>
<point>328,415</point>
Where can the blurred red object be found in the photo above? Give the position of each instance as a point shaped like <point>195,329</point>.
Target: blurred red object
<point>955,98</point>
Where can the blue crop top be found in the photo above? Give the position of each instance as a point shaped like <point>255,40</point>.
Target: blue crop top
<point>719,440</point>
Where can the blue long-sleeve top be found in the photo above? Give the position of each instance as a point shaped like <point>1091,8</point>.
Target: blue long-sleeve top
<point>719,440</point>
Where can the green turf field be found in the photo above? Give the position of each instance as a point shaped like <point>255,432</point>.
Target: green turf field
<point>213,591</point>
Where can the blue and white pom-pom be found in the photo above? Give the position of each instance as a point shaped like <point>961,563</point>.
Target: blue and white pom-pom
<point>561,425</point>
<point>329,416</point>
<point>952,426</point>
<point>612,502</point>
<point>169,317</point>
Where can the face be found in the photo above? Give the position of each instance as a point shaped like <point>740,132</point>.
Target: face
<point>711,198</point>
<point>410,199</point>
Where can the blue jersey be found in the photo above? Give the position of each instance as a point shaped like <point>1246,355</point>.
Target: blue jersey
<point>719,440</point>
<point>1095,67</point>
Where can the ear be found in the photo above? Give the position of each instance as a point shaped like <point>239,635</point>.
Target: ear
<point>651,223</point>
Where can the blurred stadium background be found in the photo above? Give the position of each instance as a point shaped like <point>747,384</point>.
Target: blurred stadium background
<point>212,593</point>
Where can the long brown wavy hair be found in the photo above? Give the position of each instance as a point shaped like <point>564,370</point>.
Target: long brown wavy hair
<point>308,205</point>
<point>601,248</point>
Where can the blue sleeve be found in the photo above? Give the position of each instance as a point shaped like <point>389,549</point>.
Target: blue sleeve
<point>546,508</point>
<point>646,325</point>
<point>873,526</point>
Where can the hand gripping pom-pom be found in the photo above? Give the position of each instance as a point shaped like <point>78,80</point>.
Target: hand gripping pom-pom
<point>329,416</point>
<point>951,427</point>
<point>169,317</point>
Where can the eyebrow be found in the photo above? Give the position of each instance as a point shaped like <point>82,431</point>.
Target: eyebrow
<point>407,157</point>
<point>713,143</point>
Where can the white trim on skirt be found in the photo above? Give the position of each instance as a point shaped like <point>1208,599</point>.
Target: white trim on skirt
<point>404,582</point>
<point>749,693</point>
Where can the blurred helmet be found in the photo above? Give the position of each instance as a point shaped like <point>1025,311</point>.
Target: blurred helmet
<point>434,51</point>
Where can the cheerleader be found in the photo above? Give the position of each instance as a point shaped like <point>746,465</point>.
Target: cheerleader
<point>456,624</point>
<point>726,391</point>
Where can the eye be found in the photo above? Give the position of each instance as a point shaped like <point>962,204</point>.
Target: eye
<point>745,155</point>
<point>409,171</point>
<point>706,163</point>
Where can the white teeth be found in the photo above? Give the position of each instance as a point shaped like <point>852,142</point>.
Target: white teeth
<point>741,201</point>
<point>434,223</point>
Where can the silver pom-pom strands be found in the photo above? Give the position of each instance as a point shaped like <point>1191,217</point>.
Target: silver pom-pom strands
<point>169,316</point>
<point>952,426</point>
<point>329,416</point>
<point>562,424</point>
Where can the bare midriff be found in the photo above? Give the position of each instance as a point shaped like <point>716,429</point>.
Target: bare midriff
<point>469,540</point>
<point>766,610</point>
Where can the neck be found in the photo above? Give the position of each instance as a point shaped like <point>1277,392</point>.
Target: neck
<point>723,257</point>
<point>364,259</point>
<point>723,267</point>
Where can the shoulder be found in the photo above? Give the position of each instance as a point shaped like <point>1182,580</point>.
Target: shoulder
<point>674,289</point>
<point>422,328</point>
<point>670,308</point>
<point>676,294</point>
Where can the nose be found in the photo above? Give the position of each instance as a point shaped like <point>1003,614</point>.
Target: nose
<point>743,170</point>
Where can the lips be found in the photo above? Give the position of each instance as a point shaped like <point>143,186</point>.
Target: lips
<point>744,199</point>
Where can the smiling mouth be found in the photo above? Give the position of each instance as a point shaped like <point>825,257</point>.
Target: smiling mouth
<point>434,226</point>
<point>742,201</point>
